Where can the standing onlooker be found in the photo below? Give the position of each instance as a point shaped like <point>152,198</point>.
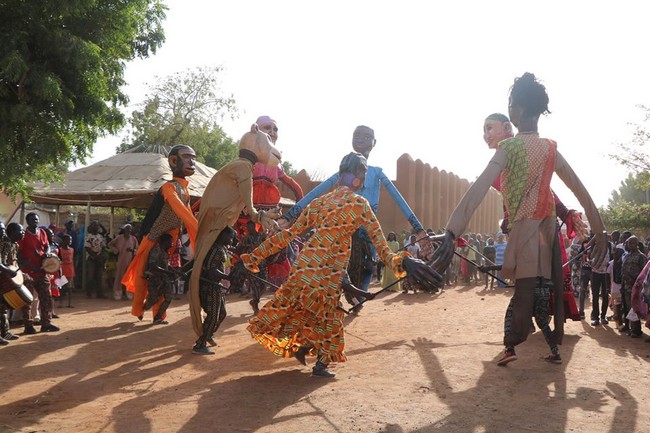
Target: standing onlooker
<point>33,248</point>
<point>500,247</point>
<point>490,253</point>
<point>55,291</point>
<point>614,268</point>
<point>585,278</point>
<point>633,263</point>
<point>68,230</point>
<point>599,276</point>
<point>66,254</point>
<point>124,245</point>
<point>389,276</point>
<point>413,248</point>
<point>94,246</point>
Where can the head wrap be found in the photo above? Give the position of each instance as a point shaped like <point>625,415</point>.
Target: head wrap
<point>349,169</point>
<point>264,120</point>
<point>352,162</point>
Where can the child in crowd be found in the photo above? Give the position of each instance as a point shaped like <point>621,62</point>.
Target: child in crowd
<point>413,248</point>
<point>614,268</point>
<point>66,254</point>
<point>55,290</point>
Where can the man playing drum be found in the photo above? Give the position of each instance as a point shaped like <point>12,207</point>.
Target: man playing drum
<point>8,271</point>
<point>33,249</point>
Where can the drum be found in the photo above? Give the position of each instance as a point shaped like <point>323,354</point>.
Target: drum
<point>51,264</point>
<point>18,298</point>
<point>7,283</point>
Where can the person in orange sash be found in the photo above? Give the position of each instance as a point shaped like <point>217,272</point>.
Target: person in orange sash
<point>168,213</point>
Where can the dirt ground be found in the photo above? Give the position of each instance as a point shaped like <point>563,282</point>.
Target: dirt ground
<point>417,363</point>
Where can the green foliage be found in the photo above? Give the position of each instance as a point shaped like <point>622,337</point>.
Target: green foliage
<point>61,71</point>
<point>632,190</point>
<point>288,169</point>
<point>634,154</point>
<point>184,108</point>
<point>627,216</point>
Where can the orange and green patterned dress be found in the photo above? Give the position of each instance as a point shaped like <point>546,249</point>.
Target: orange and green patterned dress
<point>304,309</point>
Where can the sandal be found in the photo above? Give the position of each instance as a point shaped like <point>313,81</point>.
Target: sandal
<point>553,357</point>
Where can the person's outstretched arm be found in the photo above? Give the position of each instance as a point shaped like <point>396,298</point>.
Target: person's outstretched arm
<point>571,180</point>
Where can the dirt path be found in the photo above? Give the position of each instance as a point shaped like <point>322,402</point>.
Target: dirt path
<point>416,363</point>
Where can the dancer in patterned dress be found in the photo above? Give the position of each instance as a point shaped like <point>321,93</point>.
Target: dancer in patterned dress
<point>362,256</point>
<point>305,313</point>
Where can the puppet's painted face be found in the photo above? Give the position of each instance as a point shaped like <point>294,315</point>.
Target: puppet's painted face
<point>260,144</point>
<point>363,140</point>
<point>495,131</point>
<point>184,163</point>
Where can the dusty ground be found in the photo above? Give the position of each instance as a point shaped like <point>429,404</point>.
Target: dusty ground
<point>416,363</point>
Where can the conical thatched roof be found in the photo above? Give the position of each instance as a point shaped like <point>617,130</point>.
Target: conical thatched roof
<point>127,179</point>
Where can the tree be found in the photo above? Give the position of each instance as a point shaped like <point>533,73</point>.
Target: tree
<point>61,72</point>
<point>632,190</point>
<point>634,154</point>
<point>629,207</point>
<point>184,108</point>
<point>288,169</point>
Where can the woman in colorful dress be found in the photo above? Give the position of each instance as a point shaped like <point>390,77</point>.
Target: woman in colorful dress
<point>305,315</point>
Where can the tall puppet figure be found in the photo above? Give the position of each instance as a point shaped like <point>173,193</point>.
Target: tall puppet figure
<point>266,196</point>
<point>526,164</point>
<point>360,269</point>
<point>229,191</point>
<point>496,128</point>
<point>305,313</point>
<point>168,213</point>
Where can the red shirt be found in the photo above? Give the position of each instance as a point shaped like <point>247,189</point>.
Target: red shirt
<point>32,248</point>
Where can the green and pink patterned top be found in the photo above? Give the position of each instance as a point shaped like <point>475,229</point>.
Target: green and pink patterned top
<point>527,177</point>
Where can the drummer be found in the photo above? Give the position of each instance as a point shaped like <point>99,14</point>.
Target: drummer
<point>33,249</point>
<point>8,266</point>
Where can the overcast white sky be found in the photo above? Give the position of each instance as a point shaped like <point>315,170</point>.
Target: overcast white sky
<point>423,74</point>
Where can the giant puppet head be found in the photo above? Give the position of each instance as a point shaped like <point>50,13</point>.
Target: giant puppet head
<point>363,140</point>
<point>257,146</point>
<point>268,125</point>
<point>182,160</point>
<point>497,127</point>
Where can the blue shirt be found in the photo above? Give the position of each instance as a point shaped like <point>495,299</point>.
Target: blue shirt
<point>375,177</point>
